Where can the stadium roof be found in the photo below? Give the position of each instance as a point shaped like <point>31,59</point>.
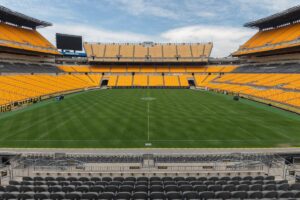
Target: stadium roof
<point>281,18</point>
<point>7,15</point>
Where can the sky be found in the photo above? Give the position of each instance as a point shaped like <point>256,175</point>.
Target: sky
<point>217,21</point>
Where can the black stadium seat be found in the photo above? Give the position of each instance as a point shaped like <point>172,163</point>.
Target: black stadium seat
<point>144,188</point>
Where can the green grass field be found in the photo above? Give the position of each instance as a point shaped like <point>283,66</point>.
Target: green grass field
<point>129,118</point>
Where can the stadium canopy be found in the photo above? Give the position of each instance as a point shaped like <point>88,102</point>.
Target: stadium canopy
<point>285,17</point>
<point>13,17</point>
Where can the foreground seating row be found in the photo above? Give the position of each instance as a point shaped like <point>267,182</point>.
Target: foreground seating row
<point>153,195</point>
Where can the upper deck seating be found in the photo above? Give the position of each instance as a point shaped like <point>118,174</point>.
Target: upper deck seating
<point>273,39</point>
<point>144,52</point>
<point>25,39</point>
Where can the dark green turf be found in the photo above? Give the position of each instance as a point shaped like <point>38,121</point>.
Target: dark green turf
<point>177,118</point>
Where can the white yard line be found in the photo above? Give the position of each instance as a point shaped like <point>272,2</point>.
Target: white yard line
<point>148,113</point>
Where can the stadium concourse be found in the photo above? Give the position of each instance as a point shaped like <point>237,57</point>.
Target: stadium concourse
<point>149,120</point>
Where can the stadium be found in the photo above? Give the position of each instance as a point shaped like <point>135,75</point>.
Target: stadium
<point>149,120</point>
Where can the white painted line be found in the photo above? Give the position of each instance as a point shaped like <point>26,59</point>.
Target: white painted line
<point>148,113</point>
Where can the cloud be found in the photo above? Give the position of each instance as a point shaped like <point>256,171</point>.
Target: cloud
<point>155,8</point>
<point>193,10</point>
<point>44,9</point>
<point>92,34</point>
<point>270,5</point>
<point>225,39</point>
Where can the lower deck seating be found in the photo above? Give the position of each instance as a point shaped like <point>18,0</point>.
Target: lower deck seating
<point>124,81</point>
<point>282,88</point>
<point>171,81</point>
<point>14,88</point>
<point>142,80</point>
<point>168,188</point>
<point>156,81</point>
<point>184,80</point>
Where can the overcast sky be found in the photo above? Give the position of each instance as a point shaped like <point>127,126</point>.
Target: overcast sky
<point>217,21</point>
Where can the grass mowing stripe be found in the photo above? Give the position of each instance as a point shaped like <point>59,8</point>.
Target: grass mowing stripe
<point>176,118</point>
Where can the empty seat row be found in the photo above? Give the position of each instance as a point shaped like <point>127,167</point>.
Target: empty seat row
<point>64,183</point>
<point>153,195</point>
<point>108,179</point>
<point>146,188</point>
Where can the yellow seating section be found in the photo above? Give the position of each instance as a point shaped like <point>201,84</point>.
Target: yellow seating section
<point>288,81</point>
<point>21,87</point>
<point>156,81</point>
<point>147,69</point>
<point>202,80</point>
<point>282,88</point>
<point>199,79</point>
<point>171,52</point>
<point>271,39</point>
<point>67,68</point>
<point>171,81</point>
<point>25,39</point>
<point>184,80</point>
<point>140,80</point>
<point>127,51</point>
<point>111,52</point>
<point>147,80</point>
<point>214,69</point>
<point>100,69</point>
<point>155,51</point>
<point>82,69</point>
<point>95,78</point>
<point>124,81</point>
<point>112,80</point>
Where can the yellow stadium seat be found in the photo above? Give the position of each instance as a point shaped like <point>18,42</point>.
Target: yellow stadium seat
<point>124,80</point>
<point>171,81</point>
<point>156,81</point>
<point>140,80</point>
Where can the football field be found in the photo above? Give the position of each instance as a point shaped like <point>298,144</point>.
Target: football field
<point>166,118</point>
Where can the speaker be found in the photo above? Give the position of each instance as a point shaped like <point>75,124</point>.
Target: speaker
<point>236,98</point>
